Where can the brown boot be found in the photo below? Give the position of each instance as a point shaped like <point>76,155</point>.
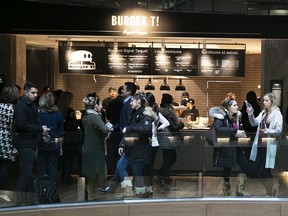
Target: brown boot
<point>240,187</point>
<point>127,190</point>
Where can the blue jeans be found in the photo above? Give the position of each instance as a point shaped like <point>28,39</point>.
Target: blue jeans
<point>27,158</point>
<point>47,163</point>
<point>121,169</point>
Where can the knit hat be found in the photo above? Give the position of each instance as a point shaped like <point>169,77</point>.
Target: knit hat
<point>167,99</point>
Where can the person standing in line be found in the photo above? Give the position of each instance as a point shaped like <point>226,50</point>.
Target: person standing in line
<point>112,95</point>
<point>157,126</point>
<point>167,145</point>
<point>227,120</point>
<point>50,148</point>
<point>251,98</point>
<point>113,116</point>
<point>93,150</point>
<point>8,99</point>
<point>72,142</point>
<point>121,173</point>
<point>137,136</point>
<point>263,153</point>
<point>27,132</point>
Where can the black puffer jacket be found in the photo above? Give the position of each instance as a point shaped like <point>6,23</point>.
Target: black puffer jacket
<point>139,129</point>
<point>27,129</point>
<point>224,156</point>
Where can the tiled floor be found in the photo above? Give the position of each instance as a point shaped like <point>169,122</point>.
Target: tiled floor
<point>189,186</point>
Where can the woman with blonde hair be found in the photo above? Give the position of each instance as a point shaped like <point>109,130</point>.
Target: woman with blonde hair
<point>264,149</point>
<point>93,149</point>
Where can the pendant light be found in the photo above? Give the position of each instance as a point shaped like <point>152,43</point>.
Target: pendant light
<point>149,85</point>
<point>165,85</point>
<point>180,86</point>
<point>137,86</point>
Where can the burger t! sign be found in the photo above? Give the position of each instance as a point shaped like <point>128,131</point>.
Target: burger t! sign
<point>139,24</point>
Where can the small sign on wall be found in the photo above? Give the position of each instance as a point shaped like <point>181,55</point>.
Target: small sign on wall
<point>276,87</point>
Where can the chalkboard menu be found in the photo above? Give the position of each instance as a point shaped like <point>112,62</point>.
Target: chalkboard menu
<point>175,62</point>
<point>216,62</point>
<point>127,61</point>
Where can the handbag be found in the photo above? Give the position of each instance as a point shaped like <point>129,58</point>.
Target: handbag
<point>211,136</point>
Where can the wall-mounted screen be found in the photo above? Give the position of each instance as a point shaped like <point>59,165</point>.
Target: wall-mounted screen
<point>217,62</point>
<point>175,62</point>
<point>81,59</point>
<point>128,60</point>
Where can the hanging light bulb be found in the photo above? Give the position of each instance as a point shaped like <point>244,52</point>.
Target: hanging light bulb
<point>163,47</point>
<point>180,86</point>
<point>115,46</point>
<point>137,86</point>
<point>149,85</point>
<point>165,85</point>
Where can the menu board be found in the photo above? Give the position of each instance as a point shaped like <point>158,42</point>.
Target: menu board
<point>175,62</point>
<point>81,59</point>
<point>88,59</point>
<point>215,62</point>
<point>129,60</point>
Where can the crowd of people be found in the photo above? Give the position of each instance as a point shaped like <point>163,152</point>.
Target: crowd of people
<point>43,130</point>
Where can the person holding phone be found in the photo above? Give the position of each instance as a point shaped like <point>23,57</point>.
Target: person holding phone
<point>264,149</point>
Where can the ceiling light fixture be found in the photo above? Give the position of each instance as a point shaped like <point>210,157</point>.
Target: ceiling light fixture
<point>135,82</point>
<point>115,46</point>
<point>69,44</point>
<point>149,85</point>
<point>165,85</point>
<point>180,86</point>
<point>163,47</point>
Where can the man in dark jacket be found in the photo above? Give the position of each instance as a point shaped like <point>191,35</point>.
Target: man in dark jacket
<point>113,116</point>
<point>129,89</point>
<point>27,131</point>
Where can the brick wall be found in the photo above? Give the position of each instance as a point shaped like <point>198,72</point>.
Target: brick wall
<point>81,85</point>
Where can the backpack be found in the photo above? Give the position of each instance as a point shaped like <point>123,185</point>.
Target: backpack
<point>46,190</point>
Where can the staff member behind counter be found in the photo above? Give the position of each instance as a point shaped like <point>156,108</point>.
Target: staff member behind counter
<point>191,113</point>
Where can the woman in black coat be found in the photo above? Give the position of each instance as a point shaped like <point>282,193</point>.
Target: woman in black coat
<point>137,140</point>
<point>227,123</point>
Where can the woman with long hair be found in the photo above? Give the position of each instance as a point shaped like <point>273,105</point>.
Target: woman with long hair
<point>50,148</point>
<point>157,126</point>
<point>227,120</point>
<point>169,140</point>
<point>73,138</point>
<point>264,149</point>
